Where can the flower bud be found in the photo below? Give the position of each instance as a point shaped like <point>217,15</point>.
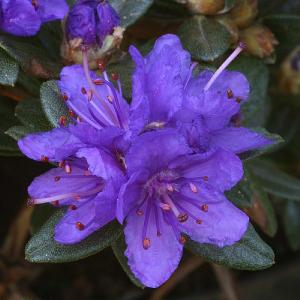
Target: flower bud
<point>90,21</point>
<point>260,40</point>
<point>206,7</point>
<point>290,73</point>
<point>244,13</point>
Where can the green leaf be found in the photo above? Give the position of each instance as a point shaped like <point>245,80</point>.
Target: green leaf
<point>31,57</point>
<point>119,247</point>
<point>30,83</point>
<point>275,181</point>
<point>9,69</point>
<point>242,194</point>
<point>30,113</point>
<point>40,215</point>
<point>52,102</point>
<point>17,132</point>
<point>256,109</point>
<point>42,247</point>
<point>130,10</point>
<point>206,39</point>
<point>276,139</point>
<point>291,222</point>
<point>250,253</point>
<point>286,29</point>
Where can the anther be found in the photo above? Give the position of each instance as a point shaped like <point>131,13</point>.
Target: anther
<point>110,99</point>
<point>114,76</point>
<point>170,188</point>
<point>68,169</point>
<point>62,164</point>
<point>71,113</point>
<point>230,94</point>
<point>182,218</point>
<point>90,95</point>
<point>65,97</point>
<point>139,212</point>
<point>165,207</point>
<point>79,226</point>
<point>72,207</point>
<point>98,81</point>
<point>198,221</point>
<point>205,178</point>
<point>101,66</point>
<point>44,159</point>
<point>146,243</point>
<point>57,178</point>
<point>182,240</point>
<point>77,197</point>
<point>204,207</point>
<point>193,188</point>
<point>63,121</point>
<point>55,203</point>
<point>238,99</point>
<point>83,91</point>
<point>34,3</point>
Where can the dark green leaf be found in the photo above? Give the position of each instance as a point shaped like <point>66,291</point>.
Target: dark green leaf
<point>276,142</point>
<point>119,247</point>
<point>17,132</point>
<point>204,38</point>
<point>130,10</point>
<point>275,181</point>
<point>9,69</point>
<point>31,115</point>
<point>52,102</point>
<point>256,109</point>
<point>292,224</point>
<point>42,248</point>
<point>250,253</point>
<point>286,29</point>
<point>40,215</point>
<point>31,57</point>
<point>30,83</point>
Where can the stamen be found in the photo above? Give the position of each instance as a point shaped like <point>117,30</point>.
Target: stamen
<point>205,178</point>
<point>225,64</point>
<point>55,203</point>
<point>83,91</point>
<point>68,168</point>
<point>183,217</point>
<point>146,243</point>
<point>63,120</point>
<point>238,100</point>
<point>71,113</point>
<point>170,188</point>
<point>44,159</point>
<point>114,76</point>
<point>193,188</point>
<point>229,94</point>
<point>164,206</point>
<point>139,212</point>
<point>72,207</point>
<point>65,97</point>
<point>57,178</point>
<point>158,231</point>
<point>35,3</point>
<point>101,66</point>
<point>182,240</point>
<point>79,226</point>
<point>204,207</point>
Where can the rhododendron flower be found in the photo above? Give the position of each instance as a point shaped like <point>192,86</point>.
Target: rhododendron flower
<point>170,192</point>
<point>25,17</point>
<point>91,21</point>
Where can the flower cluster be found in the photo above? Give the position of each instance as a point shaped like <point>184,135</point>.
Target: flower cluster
<point>25,17</point>
<point>160,165</point>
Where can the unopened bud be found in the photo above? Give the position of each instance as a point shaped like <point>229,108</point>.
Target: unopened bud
<point>244,13</point>
<point>260,40</point>
<point>205,7</point>
<point>290,73</point>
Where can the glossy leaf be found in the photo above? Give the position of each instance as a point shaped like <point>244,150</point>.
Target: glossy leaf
<point>42,248</point>
<point>250,253</point>
<point>204,38</point>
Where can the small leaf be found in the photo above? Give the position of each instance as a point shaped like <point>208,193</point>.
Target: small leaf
<point>275,181</point>
<point>255,109</point>
<point>292,224</point>
<point>276,139</point>
<point>52,102</point>
<point>31,115</point>
<point>9,69</point>
<point>204,38</point>
<point>17,132</point>
<point>119,247</point>
<point>42,247</point>
<point>250,253</point>
<point>31,57</point>
<point>130,10</point>
<point>30,83</point>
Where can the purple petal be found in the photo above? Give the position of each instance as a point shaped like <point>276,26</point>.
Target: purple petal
<point>55,145</point>
<point>57,182</point>
<point>154,150</point>
<point>19,18</point>
<point>238,140</point>
<point>222,224</point>
<point>220,169</point>
<point>101,163</point>
<point>130,194</point>
<point>160,77</point>
<point>156,264</point>
<point>50,10</point>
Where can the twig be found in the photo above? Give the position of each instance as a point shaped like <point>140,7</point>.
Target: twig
<point>226,282</point>
<point>185,269</point>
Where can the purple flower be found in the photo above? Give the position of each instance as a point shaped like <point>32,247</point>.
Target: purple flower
<point>91,21</point>
<point>204,108</point>
<point>170,192</point>
<point>91,151</point>
<point>24,17</point>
